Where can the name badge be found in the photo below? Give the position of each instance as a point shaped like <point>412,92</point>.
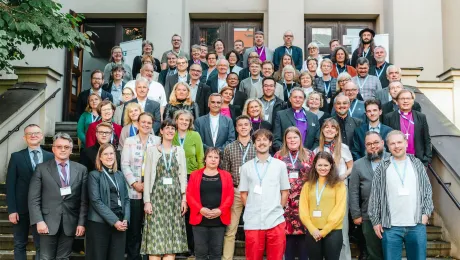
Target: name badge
<point>266,117</point>
<point>119,202</point>
<point>403,191</point>
<point>316,213</point>
<point>167,181</point>
<point>258,189</point>
<point>294,174</point>
<point>66,191</point>
<point>239,170</point>
<point>328,100</point>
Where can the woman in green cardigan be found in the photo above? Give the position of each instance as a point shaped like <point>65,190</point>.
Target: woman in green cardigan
<point>191,142</point>
<point>89,116</point>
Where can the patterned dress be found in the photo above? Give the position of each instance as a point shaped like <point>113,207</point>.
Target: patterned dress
<point>164,230</point>
<point>293,224</point>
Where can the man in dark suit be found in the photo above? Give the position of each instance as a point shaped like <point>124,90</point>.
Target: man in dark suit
<point>20,169</point>
<point>393,73</point>
<point>58,200</point>
<point>347,123</point>
<point>170,70</point>
<point>304,120</point>
<point>373,111</point>
<point>116,84</point>
<point>379,69</point>
<point>395,88</point>
<point>272,103</point>
<point>216,83</point>
<point>215,130</point>
<point>181,76</point>
<point>199,90</point>
<point>153,107</point>
<point>239,97</point>
<point>414,126</point>
<point>293,51</point>
<point>97,77</point>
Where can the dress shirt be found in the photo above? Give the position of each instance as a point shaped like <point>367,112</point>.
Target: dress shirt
<point>39,155</point>
<point>194,90</point>
<point>67,169</point>
<point>367,85</point>
<point>375,129</point>
<point>233,158</point>
<point>182,79</point>
<point>116,93</point>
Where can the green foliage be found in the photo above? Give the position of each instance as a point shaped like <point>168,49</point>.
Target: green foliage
<point>40,23</point>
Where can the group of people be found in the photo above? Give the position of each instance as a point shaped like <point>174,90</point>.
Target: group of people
<point>173,152</point>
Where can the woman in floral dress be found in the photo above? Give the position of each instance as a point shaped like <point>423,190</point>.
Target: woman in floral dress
<point>165,180</point>
<point>299,162</point>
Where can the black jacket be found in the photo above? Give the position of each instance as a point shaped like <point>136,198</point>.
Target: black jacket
<point>389,107</point>
<point>82,100</point>
<point>204,66</point>
<point>278,106</point>
<point>202,96</point>
<point>153,108</point>
<point>239,98</point>
<point>351,124</point>
<point>137,65</point>
<point>108,86</point>
<point>163,74</point>
<point>171,109</point>
<point>88,157</point>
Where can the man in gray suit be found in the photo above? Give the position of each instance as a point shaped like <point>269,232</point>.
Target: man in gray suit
<point>264,52</point>
<point>359,191</point>
<point>58,200</point>
<point>215,129</point>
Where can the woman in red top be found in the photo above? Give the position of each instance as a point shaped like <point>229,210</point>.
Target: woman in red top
<point>106,109</point>
<point>210,198</point>
<point>340,60</point>
<point>299,163</point>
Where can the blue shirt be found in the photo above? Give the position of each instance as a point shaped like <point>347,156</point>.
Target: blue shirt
<point>116,94</point>
<point>375,129</point>
<point>67,169</point>
<point>39,154</point>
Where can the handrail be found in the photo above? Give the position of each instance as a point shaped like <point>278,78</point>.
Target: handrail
<point>444,186</point>
<point>16,128</point>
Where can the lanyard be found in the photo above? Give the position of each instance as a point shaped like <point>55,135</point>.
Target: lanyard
<point>133,131</point>
<point>327,86</point>
<point>361,86</point>
<point>366,52</point>
<point>301,119</point>
<point>181,140</point>
<point>214,131</point>
<point>295,160</point>
<point>268,105</point>
<point>94,118</point>
<point>405,117</point>
<point>340,71</point>
<point>167,163</point>
<point>403,177</point>
<point>381,71</point>
<point>245,153</point>
<point>265,172</point>
<point>354,106</point>
<point>320,194</point>
<point>288,52</point>
<point>115,183</point>
<point>287,90</point>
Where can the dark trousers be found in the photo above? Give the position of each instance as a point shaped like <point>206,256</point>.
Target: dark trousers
<point>134,232</point>
<point>104,242</point>
<point>58,246</point>
<point>373,243</point>
<point>209,242</point>
<point>295,247</point>
<point>21,238</point>
<point>188,229</point>
<point>328,247</point>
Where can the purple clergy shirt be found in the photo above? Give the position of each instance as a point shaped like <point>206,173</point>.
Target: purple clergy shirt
<point>261,51</point>
<point>406,122</point>
<point>301,123</point>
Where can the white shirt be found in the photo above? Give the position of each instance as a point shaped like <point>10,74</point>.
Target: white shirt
<point>157,93</point>
<point>142,103</point>
<point>402,208</point>
<point>220,84</point>
<point>214,127</point>
<point>346,157</point>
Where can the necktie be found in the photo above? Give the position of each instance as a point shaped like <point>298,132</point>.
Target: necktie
<point>374,129</point>
<point>64,174</point>
<point>36,161</point>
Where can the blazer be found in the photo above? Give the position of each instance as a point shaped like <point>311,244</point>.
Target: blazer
<point>257,91</point>
<point>163,74</point>
<point>213,83</point>
<point>46,203</point>
<point>360,186</point>
<point>88,156</point>
<point>150,172</point>
<point>383,95</point>
<point>99,197</point>
<point>137,65</point>
<point>279,105</point>
<point>204,77</point>
<point>153,108</point>
<point>20,170</point>
<point>82,126</point>
<point>319,86</point>
<point>239,98</point>
<point>350,70</point>
<point>358,112</point>
<point>235,69</point>
<point>194,199</point>
<point>235,111</point>
<point>193,148</point>
<point>108,86</point>
<point>203,65</point>
<point>383,76</point>
<point>202,96</point>
<point>91,134</point>
<point>422,138</point>
<point>171,109</point>
<point>351,124</point>
<point>358,149</point>
<point>297,56</point>
<point>225,133</point>
<point>285,119</point>
<point>171,81</point>
<point>268,55</point>
<point>369,56</point>
<point>389,107</point>
<point>82,100</point>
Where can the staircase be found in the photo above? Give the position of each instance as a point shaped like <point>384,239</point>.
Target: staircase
<point>436,247</point>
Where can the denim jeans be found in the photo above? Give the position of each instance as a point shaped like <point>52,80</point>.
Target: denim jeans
<point>414,238</point>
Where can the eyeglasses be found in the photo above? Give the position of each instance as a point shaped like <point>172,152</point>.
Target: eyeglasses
<point>288,35</point>
<point>96,78</point>
<point>60,147</point>
<point>173,58</point>
<point>351,90</point>
<point>33,133</point>
<point>376,143</point>
<point>405,99</point>
<point>253,56</point>
<point>103,133</point>
<point>194,70</point>
<point>127,94</point>
<point>106,110</point>
<point>181,63</point>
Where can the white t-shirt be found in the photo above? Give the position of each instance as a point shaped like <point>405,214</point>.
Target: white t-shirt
<point>156,92</point>
<point>346,157</point>
<point>214,127</point>
<point>402,207</point>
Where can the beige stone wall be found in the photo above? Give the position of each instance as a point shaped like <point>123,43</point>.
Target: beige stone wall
<point>450,33</point>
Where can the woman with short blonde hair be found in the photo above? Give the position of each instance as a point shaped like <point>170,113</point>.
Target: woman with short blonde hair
<point>181,99</point>
<point>130,122</point>
<point>255,110</point>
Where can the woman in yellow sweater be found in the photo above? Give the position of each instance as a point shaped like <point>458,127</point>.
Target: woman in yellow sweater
<point>322,208</point>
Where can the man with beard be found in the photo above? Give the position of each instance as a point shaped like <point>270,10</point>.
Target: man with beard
<point>263,52</point>
<point>238,46</point>
<point>365,48</point>
<point>176,42</point>
<point>268,68</point>
<point>368,84</point>
<point>359,190</point>
<point>272,104</point>
<point>357,109</point>
<point>373,111</point>
<point>379,69</point>
<point>347,123</point>
<point>97,77</point>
